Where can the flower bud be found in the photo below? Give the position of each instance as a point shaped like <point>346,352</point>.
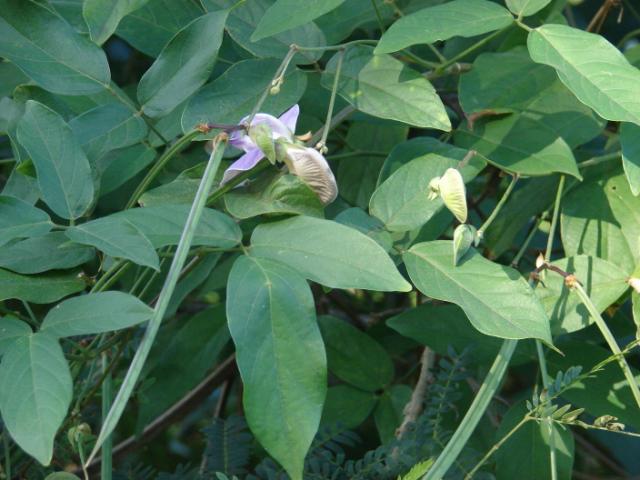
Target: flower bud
<point>450,187</point>
<point>313,169</point>
<point>463,237</point>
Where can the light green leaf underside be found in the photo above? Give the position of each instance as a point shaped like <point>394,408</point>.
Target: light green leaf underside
<point>284,15</point>
<point>630,141</point>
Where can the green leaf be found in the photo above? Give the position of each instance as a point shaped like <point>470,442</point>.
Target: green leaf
<point>183,66</point>
<point>61,476</point>
<point>116,237</point>
<point>18,219</point>
<point>602,218</point>
<point>149,28</point>
<point>232,95</point>
<point>102,16</point>
<point>47,252</point>
<point>603,281</point>
<point>401,202</point>
<point>346,407</point>
<point>163,225</point>
<point>119,166</point>
<point>64,173</point>
<point>370,226</point>
<point>11,329</point>
<point>243,20</point>
<point>273,194</point>
<point>280,355</point>
<point>95,313</point>
<point>389,411</point>
<point>512,82</point>
<point>520,144</point>
<point>287,14</point>
<point>593,69</point>
<point>180,190</point>
<point>630,141</point>
<point>384,87</point>
<point>328,253</point>
<point>525,455</point>
<point>525,8</point>
<point>497,300</point>
<point>35,393</point>
<point>50,51</point>
<point>459,18</point>
<point>353,356</point>
<point>45,288</point>
<point>107,127</point>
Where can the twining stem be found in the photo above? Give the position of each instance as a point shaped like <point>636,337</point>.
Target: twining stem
<point>159,165</point>
<point>443,66</point>
<point>600,159</point>
<point>106,469</point>
<point>499,206</point>
<point>475,412</point>
<point>168,288</point>
<point>332,101</point>
<point>496,447</point>
<point>554,219</point>
<point>609,338</point>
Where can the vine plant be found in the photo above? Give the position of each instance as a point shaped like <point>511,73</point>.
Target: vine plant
<point>268,239</point>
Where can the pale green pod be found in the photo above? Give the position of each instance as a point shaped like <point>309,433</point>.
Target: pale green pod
<point>463,237</point>
<point>453,193</point>
<point>313,169</point>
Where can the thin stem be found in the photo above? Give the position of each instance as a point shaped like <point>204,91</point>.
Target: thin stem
<point>127,102</point>
<point>340,46</point>
<point>275,81</point>
<point>421,61</point>
<point>337,118</point>
<point>523,25</point>
<point>356,153</point>
<point>332,100</point>
<point>437,53</point>
<point>496,447</point>
<point>554,219</point>
<point>527,241</point>
<point>470,50</point>
<point>159,165</point>
<point>479,405</point>
<point>378,16</point>
<point>34,320</point>
<point>601,159</point>
<point>186,239</point>
<point>609,338</point>
<point>542,361</point>
<point>107,448</point>
<point>7,452</point>
<point>499,206</point>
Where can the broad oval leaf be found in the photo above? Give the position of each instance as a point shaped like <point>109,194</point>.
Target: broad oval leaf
<point>273,194</point>
<point>601,218</point>
<point>95,313</point>
<point>524,8</point>
<point>459,18</point>
<point>163,225</point>
<point>401,202</point>
<point>18,219</point>
<point>497,300</point>
<point>605,282</point>
<point>243,20</point>
<point>520,144</point>
<point>49,50</point>
<point>287,14</point>
<point>117,237</point>
<point>630,141</point>
<point>35,392</point>
<point>384,87</point>
<point>102,16</point>
<point>593,69</point>
<point>232,95</point>
<point>48,252</point>
<point>280,355</point>
<point>346,407</point>
<point>183,66</point>
<point>64,173</point>
<point>10,330</point>
<point>354,357</point>
<point>328,253</point>
<point>45,288</point>
<point>108,127</point>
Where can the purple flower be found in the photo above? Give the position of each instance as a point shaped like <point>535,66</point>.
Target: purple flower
<point>283,127</point>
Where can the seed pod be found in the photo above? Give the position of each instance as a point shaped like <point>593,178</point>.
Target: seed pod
<point>313,169</point>
<point>453,193</point>
<point>463,237</point>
